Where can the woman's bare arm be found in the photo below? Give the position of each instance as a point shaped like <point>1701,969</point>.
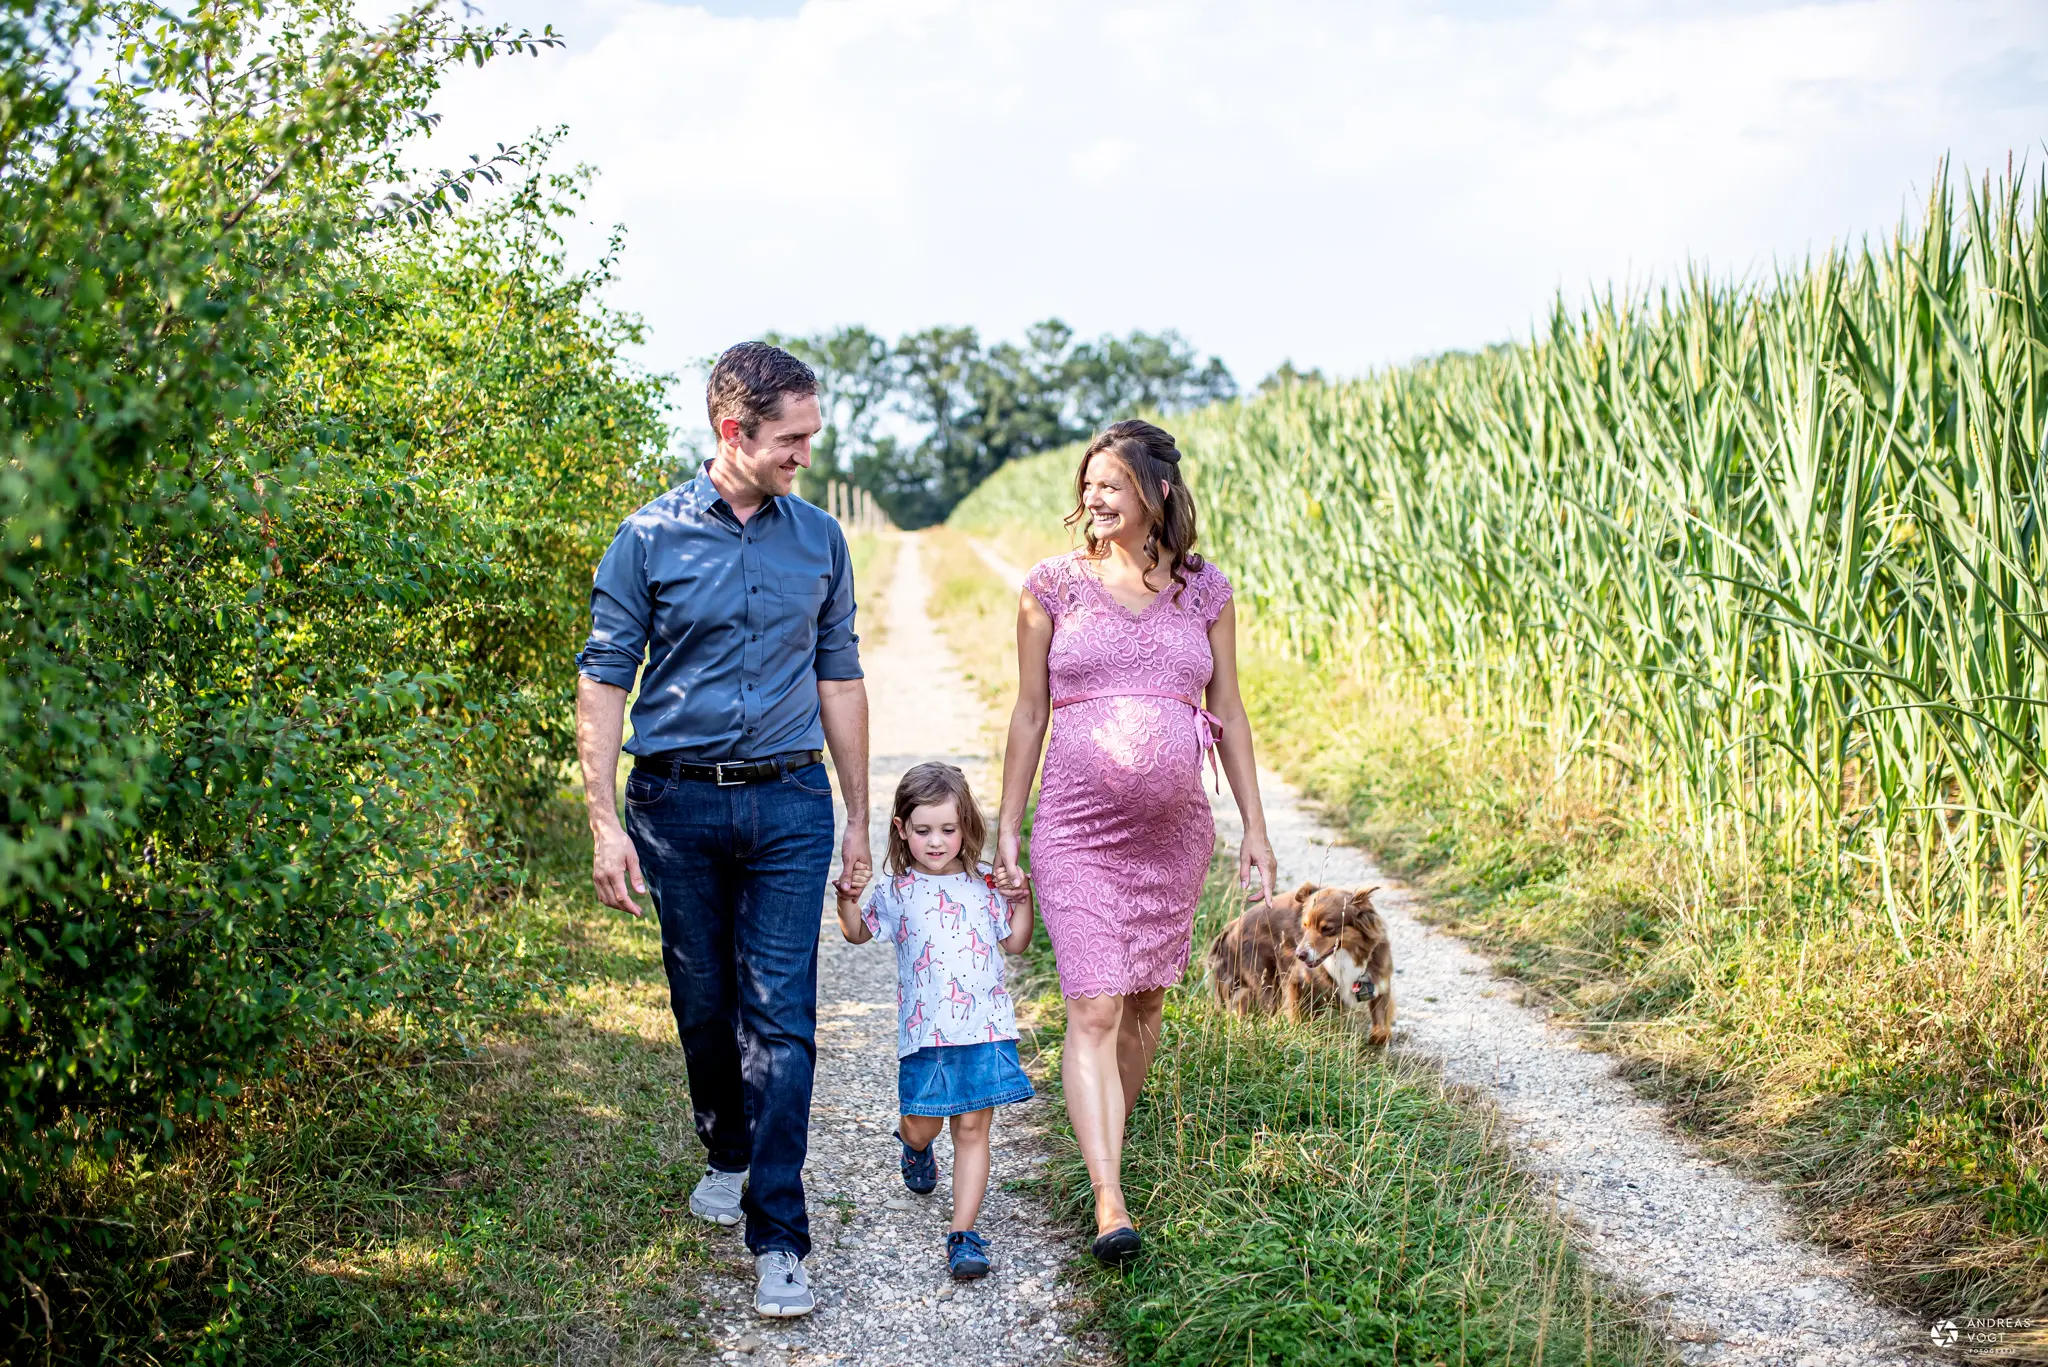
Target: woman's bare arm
<point>1028,721</point>
<point>1240,766</point>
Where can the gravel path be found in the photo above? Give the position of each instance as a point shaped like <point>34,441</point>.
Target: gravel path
<point>1720,1256</point>
<point>878,1264</point>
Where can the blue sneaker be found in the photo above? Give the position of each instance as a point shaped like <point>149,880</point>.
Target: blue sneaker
<point>920,1167</point>
<point>966,1255</point>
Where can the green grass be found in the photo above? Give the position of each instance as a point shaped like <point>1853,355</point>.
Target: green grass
<point>1307,1201</point>
<point>519,1197</point>
<point>873,555</point>
<point>1035,492</point>
<point>1898,1100</point>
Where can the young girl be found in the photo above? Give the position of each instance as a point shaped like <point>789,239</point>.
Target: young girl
<point>956,1034</point>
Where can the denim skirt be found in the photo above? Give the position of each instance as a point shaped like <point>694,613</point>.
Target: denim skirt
<point>952,1079</point>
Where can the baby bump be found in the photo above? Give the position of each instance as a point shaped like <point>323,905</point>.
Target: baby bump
<point>1122,751</point>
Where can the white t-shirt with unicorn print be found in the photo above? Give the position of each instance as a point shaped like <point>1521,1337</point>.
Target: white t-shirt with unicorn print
<point>949,966</point>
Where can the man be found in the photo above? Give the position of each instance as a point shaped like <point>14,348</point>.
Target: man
<point>741,597</point>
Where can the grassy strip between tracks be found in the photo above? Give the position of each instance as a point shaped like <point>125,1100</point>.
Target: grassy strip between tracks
<point>1305,1200</point>
<point>1309,1202</point>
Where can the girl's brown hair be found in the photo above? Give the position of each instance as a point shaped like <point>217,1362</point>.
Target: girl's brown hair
<point>1153,460</point>
<point>928,785</point>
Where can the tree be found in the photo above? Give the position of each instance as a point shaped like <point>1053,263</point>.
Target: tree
<point>1023,401</point>
<point>934,366</point>
<point>977,408</point>
<point>1287,377</point>
<point>1122,377</point>
<point>857,372</point>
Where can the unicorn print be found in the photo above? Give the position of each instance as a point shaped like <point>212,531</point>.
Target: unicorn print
<point>945,928</point>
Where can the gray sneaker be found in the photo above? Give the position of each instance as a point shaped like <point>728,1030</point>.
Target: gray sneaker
<point>717,1197</point>
<point>784,1291</point>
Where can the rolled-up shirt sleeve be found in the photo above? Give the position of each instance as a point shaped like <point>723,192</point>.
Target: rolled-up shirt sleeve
<point>621,609</point>
<point>838,654</point>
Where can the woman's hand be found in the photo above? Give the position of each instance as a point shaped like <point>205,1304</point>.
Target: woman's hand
<point>1010,877</point>
<point>1257,852</point>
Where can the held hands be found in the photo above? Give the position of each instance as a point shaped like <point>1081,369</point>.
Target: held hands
<point>852,884</point>
<point>849,886</point>
<point>855,862</point>
<point>855,868</point>
<point>1011,880</point>
<point>1256,852</point>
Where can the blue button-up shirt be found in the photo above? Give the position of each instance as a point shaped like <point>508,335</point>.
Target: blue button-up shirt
<point>737,623</point>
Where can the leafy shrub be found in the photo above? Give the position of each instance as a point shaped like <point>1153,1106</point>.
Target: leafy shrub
<point>301,495</point>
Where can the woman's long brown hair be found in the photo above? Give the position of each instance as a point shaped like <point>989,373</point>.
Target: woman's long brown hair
<point>1152,459</point>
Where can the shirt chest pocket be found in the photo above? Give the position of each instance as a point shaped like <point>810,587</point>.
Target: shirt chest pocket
<point>803,599</point>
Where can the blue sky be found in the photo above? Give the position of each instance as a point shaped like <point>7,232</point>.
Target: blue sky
<point>1345,184</point>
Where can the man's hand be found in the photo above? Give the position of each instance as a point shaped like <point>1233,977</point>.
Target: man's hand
<point>849,888</point>
<point>854,863</point>
<point>614,863</point>
<point>615,868</point>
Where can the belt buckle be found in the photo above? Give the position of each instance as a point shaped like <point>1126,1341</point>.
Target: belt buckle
<point>718,776</point>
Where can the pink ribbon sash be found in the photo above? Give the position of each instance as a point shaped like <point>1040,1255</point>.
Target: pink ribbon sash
<point>1208,733</point>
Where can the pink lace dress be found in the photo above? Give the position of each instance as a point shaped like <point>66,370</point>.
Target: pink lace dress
<point>1123,833</point>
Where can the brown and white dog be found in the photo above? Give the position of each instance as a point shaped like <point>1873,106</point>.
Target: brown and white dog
<point>1306,951</point>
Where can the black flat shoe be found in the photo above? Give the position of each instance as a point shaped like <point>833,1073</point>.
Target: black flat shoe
<point>1117,1247</point>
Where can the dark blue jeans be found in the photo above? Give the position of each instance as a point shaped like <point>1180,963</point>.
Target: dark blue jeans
<point>738,878</point>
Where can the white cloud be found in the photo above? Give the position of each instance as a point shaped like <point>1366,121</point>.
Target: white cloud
<point>1346,184</point>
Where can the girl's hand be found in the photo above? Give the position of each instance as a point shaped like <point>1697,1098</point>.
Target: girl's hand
<point>850,923</point>
<point>1019,938</point>
<point>1010,879</point>
<point>1257,852</point>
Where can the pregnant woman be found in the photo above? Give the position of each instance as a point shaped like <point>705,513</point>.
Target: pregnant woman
<point>1117,645</point>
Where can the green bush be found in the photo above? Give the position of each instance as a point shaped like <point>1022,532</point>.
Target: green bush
<point>302,492</point>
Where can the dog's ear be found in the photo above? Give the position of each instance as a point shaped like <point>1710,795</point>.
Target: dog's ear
<point>1361,901</point>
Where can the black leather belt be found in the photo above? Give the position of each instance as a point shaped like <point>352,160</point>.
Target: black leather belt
<point>729,773</point>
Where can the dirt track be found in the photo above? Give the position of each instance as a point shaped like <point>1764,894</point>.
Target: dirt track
<point>878,1267</point>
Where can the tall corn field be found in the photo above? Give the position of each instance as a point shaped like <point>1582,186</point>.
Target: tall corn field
<point>1765,556</point>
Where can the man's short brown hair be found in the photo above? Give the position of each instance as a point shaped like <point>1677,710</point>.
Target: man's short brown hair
<point>749,381</point>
